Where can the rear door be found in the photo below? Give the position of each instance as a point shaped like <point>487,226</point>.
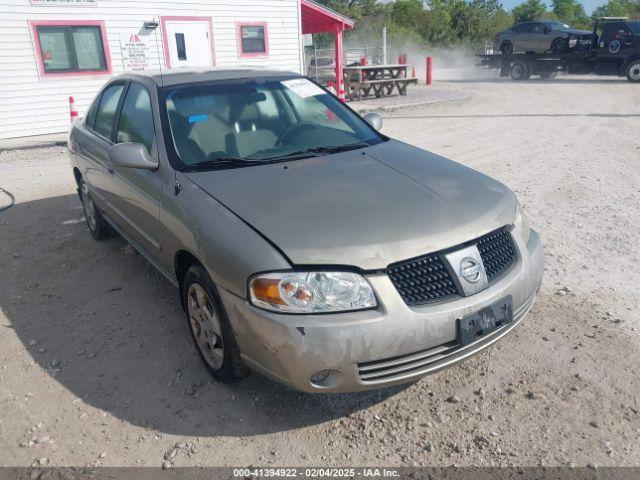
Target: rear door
<point>134,194</point>
<point>519,37</point>
<point>93,145</point>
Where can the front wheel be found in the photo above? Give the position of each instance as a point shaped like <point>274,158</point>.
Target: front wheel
<point>559,45</point>
<point>633,71</point>
<point>210,328</point>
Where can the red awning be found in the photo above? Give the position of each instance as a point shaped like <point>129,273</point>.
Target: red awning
<point>317,18</point>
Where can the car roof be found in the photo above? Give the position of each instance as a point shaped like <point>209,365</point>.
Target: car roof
<point>164,78</point>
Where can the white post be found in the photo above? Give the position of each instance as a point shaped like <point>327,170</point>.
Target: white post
<point>384,45</point>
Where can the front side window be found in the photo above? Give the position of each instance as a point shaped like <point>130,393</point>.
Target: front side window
<point>136,118</point>
<point>261,120</point>
<point>253,39</point>
<point>71,48</point>
<point>106,112</point>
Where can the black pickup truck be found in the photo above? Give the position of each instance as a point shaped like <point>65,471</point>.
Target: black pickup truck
<point>613,48</point>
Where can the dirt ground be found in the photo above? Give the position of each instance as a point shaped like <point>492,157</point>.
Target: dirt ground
<point>97,366</point>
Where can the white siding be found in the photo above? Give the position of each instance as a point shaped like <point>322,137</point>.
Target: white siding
<point>30,105</point>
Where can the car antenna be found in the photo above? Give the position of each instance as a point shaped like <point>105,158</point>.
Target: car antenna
<point>155,33</point>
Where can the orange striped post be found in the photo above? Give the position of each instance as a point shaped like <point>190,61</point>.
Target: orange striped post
<point>73,113</point>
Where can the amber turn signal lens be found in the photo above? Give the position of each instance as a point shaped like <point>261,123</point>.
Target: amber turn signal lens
<point>266,290</point>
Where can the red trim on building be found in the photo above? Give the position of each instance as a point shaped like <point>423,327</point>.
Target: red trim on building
<point>241,53</point>
<point>34,24</point>
<point>165,39</point>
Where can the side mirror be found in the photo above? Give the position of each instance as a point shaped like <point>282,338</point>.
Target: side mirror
<point>547,30</point>
<point>374,119</point>
<point>131,155</point>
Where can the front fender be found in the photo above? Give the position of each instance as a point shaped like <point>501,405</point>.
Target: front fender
<point>228,248</point>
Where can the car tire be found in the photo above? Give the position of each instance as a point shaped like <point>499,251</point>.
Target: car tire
<point>559,45</point>
<point>98,226</point>
<point>633,71</point>
<point>506,47</point>
<point>210,328</point>
<point>520,71</point>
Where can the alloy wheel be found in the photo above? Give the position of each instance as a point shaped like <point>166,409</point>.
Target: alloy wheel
<point>205,325</point>
<point>89,208</point>
<point>634,72</point>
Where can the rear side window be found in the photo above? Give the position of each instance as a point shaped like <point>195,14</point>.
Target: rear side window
<point>522,28</point>
<point>136,117</point>
<point>106,113</point>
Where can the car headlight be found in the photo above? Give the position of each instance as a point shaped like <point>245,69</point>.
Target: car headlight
<point>311,292</point>
<point>521,224</point>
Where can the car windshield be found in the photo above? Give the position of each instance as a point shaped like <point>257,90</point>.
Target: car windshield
<point>558,26</point>
<point>260,120</point>
<point>635,27</point>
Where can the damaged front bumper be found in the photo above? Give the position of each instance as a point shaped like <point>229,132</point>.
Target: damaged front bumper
<point>339,352</point>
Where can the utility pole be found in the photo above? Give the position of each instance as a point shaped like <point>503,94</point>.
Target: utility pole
<point>384,45</point>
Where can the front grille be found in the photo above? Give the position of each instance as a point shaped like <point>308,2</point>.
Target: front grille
<point>422,280</point>
<point>426,279</point>
<point>497,252</point>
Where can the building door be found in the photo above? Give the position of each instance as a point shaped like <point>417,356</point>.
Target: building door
<point>188,42</point>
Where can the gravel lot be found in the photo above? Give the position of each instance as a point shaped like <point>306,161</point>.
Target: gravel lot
<point>97,366</point>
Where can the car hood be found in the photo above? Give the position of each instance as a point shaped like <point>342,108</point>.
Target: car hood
<point>578,32</point>
<point>365,208</point>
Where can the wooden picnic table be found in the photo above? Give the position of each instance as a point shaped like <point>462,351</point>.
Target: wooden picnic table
<point>362,80</point>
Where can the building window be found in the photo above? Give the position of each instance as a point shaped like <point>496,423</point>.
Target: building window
<point>253,39</point>
<point>71,47</point>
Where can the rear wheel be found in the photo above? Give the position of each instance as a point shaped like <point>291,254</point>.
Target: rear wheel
<point>633,71</point>
<point>559,45</point>
<point>210,327</point>
<point>520,70</point>
<point>98,226</point>
<point>506,47</point>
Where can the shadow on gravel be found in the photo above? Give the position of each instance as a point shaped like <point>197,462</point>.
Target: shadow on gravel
<point>522,115</point>
<point>559,81</point>
<point>107,327</point>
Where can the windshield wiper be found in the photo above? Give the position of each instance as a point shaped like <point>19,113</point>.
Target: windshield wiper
<point>320,150</point>
<point>223,162</point>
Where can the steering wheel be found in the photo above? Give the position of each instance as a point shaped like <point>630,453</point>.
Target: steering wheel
<point>293,131</point>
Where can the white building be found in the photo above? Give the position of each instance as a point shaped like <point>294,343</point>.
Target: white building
<point>53,49</point>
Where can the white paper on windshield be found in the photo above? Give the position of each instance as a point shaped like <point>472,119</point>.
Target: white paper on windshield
<point>303,87</point>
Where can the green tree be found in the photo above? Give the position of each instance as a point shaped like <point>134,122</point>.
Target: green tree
<point>408,14</point>
<point>571,12</point>
<point>618,8</point>
<point>529,10</point>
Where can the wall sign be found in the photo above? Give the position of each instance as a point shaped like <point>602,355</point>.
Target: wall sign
<point>135,52</point>
<point>63,3</point>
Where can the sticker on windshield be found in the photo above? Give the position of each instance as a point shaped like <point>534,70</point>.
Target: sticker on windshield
<point>303,87</point>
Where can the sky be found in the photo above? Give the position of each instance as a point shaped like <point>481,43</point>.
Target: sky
<point>588,5</point>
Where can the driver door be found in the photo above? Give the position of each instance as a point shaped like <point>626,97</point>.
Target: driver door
<point>134,194</point>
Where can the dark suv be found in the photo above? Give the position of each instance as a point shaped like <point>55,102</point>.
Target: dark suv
<point>615,43</point>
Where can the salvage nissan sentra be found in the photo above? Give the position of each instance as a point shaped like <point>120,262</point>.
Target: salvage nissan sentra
<point>305,244</point>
